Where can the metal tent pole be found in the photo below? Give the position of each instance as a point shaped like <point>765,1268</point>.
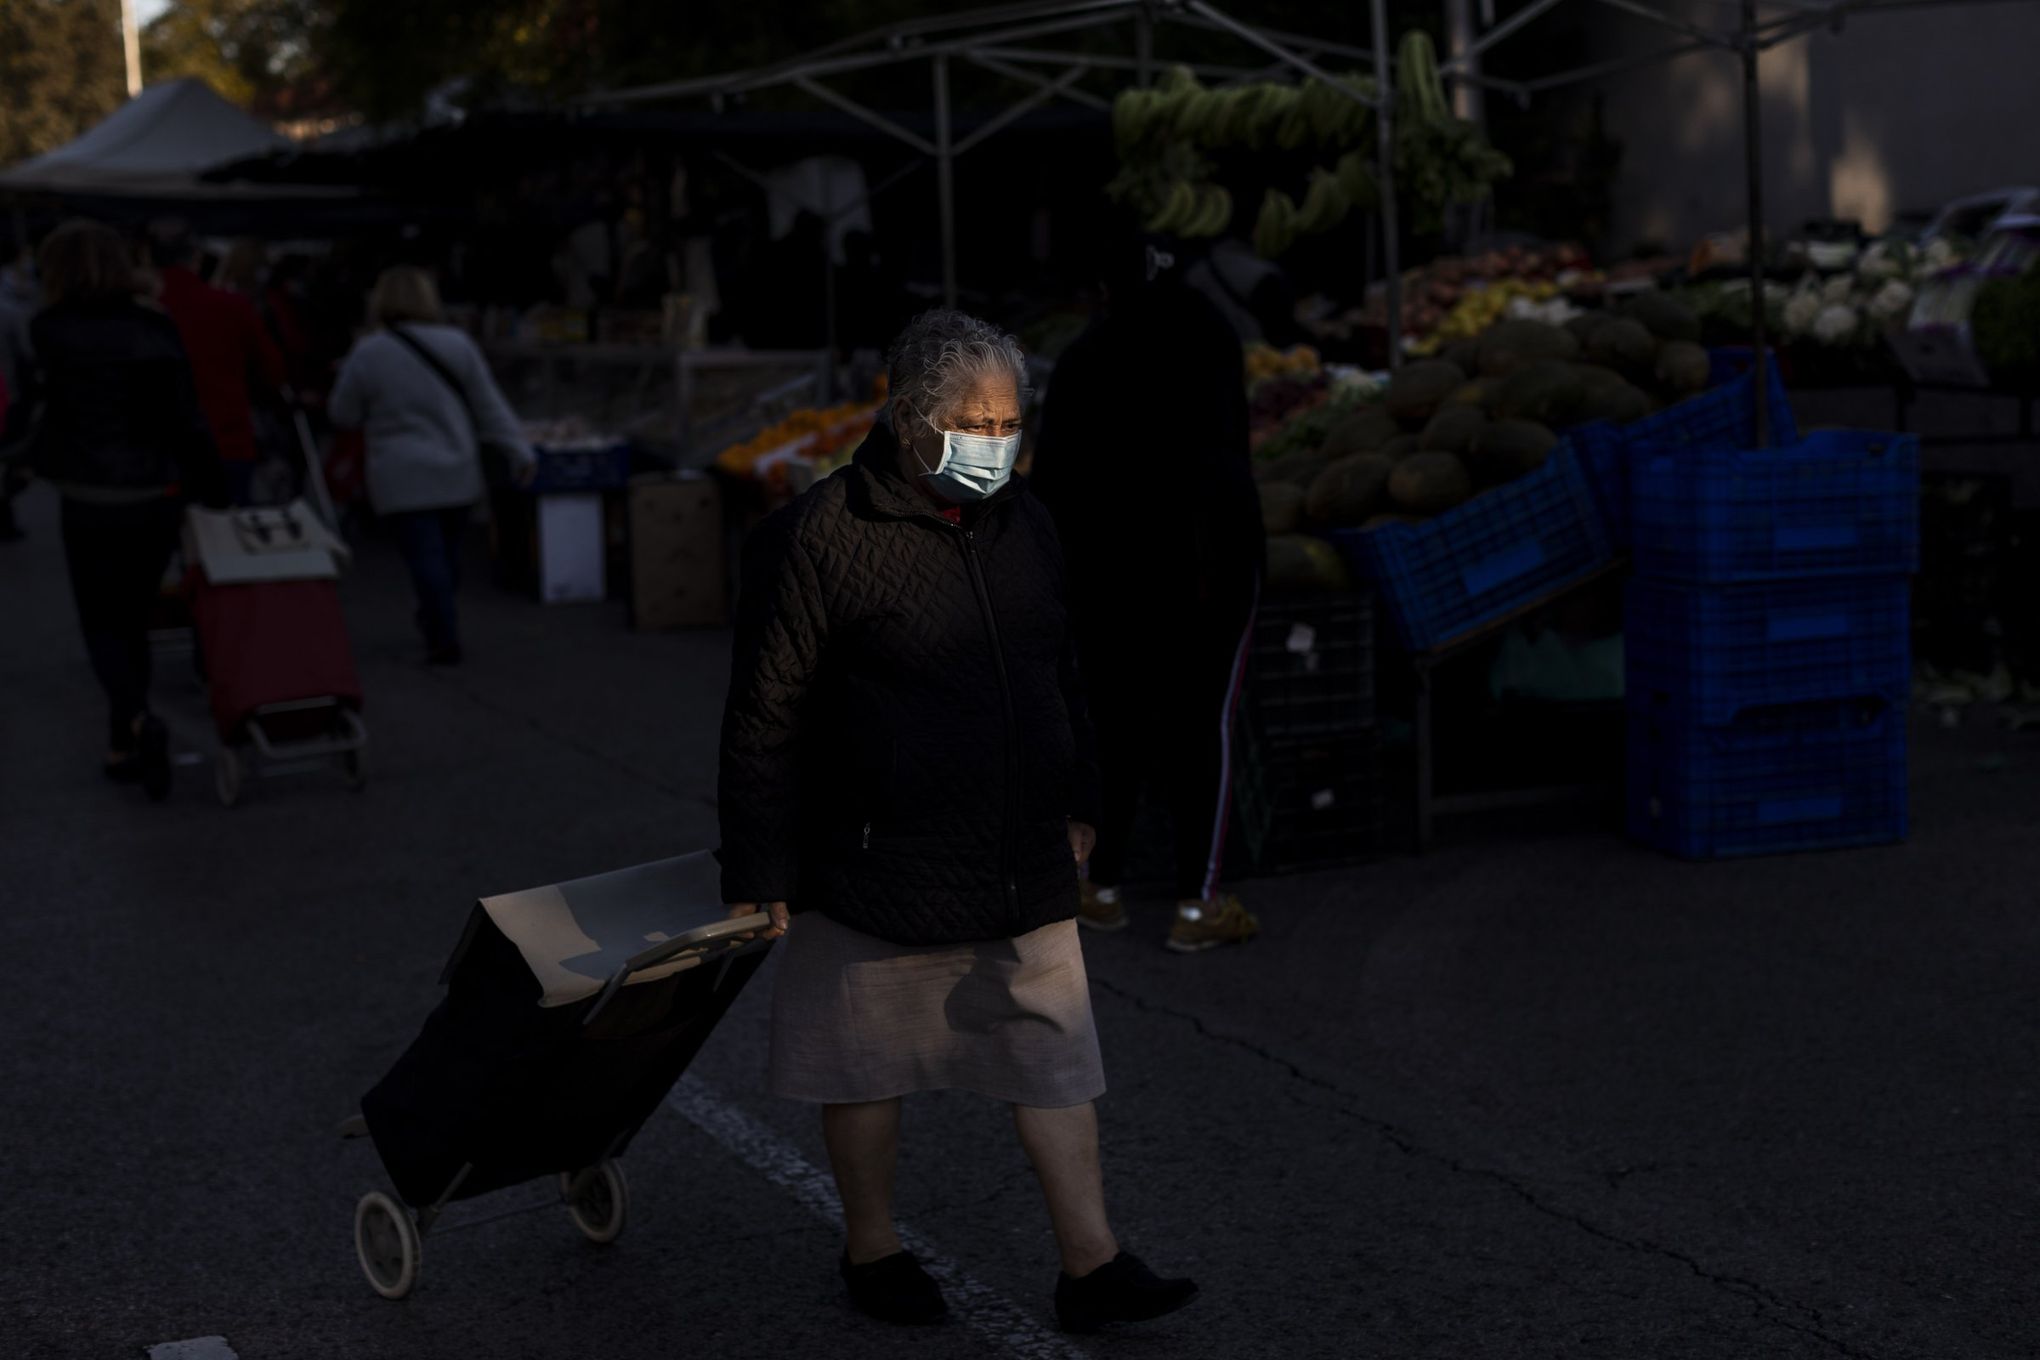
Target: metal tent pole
<point>1466,100</point>
<point>1753,157</point>
<point>1384,119</point>
<point>945,180</point>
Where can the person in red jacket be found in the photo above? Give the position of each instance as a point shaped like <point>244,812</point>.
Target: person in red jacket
<point>229,349</point>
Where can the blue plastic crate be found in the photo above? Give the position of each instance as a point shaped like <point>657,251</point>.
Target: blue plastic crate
<point>1469,566</point>
<point>593,467</point>
<point>1723,418</point>
<point>1806,777</point>
<point>1705,653</point>
<point>1838,503</point>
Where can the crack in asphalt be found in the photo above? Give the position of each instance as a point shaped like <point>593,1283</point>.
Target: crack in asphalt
<point>1758,1295</point>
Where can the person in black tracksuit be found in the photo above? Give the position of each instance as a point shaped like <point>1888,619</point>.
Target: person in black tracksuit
<point>1143,459</point>
<point>908,791</point>
<point>124,441</point>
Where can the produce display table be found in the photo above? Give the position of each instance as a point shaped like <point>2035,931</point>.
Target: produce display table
<point>1430,805</point>
<point>693,401</point>
<point>1906,393</point>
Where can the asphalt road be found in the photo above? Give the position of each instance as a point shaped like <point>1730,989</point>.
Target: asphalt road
<point>1532,1095</point>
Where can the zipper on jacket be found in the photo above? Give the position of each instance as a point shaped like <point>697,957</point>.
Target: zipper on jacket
<point>1009,868</point>
<point>867,835</point>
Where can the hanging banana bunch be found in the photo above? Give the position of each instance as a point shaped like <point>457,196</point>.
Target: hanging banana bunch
<point>1356,180</point>
<point>1275,228</point>
<point>1325,204</point>
<point>1420,89</point>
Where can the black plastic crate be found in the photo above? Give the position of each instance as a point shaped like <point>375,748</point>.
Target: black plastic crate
<point>1310,670</point>
<point>1306,803</point>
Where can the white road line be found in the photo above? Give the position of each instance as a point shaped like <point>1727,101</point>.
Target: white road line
<point>198,1348</point>
<point>983,1309</point>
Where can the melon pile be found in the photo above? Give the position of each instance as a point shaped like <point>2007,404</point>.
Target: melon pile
<point>1485,412</point>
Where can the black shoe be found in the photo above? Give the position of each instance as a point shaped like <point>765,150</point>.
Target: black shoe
<point>1122,1290</point>
<point>152,749</point>
<point>895,1289</point>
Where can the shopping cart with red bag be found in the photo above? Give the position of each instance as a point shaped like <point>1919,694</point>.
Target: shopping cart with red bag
<point>280,672</point>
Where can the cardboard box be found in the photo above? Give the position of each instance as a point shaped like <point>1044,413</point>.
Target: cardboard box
<point>678,567</point>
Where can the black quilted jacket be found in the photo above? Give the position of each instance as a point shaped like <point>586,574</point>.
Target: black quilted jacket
<point>905,740</point>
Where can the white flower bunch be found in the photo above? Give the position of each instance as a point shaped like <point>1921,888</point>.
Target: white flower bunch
<point>1838,289</point>
<point>1552,312</point>
<point>1891,301</point>
<point>1941,253</point>
<point>1801,311</point>
<point>1835,323</point>
<point>1887,259</point>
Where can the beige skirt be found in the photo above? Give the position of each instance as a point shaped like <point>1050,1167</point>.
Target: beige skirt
<point>855,1018</point>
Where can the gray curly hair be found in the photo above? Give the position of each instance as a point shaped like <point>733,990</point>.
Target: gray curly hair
<point>942,353</point>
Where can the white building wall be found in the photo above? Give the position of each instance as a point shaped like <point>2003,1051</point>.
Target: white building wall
<point>1900,111</point>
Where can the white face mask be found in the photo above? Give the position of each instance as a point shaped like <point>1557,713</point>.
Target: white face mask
<point>972,466</point>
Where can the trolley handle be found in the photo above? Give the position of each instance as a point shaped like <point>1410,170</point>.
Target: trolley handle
<point>730,934</point>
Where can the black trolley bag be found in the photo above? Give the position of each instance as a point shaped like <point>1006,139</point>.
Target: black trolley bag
<point>570,1012</point>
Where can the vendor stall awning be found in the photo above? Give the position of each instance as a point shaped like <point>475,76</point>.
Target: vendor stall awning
<point>158,144</point>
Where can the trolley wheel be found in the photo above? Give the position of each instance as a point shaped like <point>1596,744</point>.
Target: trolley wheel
<point>229,774</point>
<point>386,1242</point>
<point>599,1210</point>
<point>357,775</point>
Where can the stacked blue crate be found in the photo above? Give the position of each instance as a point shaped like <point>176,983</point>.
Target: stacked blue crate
<point>1768,644</point>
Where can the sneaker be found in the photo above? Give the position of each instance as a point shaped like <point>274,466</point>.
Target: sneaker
<point>895,1289</point>
<point>1101,908</point>
<point>1122,1290</point>
<point>1207,925</point>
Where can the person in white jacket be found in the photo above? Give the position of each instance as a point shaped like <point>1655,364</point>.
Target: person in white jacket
<point>423,396</point>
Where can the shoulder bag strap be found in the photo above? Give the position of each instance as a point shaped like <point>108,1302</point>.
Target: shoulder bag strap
<point>433,362</point>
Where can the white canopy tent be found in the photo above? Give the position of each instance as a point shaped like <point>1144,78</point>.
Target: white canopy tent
<point>158,144</point>
<point>1006,40</point>
<point>999,40</point>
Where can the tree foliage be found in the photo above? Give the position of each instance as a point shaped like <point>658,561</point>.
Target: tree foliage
<point>61,70</point>
<point>389,57</point>
<point>261,54</point>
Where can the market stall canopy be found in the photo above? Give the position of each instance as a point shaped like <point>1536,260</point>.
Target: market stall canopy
<point>159,144</point>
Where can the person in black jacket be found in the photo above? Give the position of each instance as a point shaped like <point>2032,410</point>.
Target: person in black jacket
<point>1143,459</point>
<point>906,765</point>
<point>125,443</point>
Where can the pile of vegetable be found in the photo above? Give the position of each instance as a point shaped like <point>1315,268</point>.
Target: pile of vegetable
<point>1847,309</point>
<point>1484,413</point>
<point>1455,297</point>
<point>821,437</point>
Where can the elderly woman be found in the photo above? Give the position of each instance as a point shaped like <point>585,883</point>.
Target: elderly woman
<point>907,767</point>
<point>423,395</point>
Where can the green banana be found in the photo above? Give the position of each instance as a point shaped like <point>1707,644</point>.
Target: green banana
<point>1295,128</point>
<point>1176,209</point>
<point>1272,113</point>
<point>1275,228</point>
<point>1356,180</point>
<point>1215,214</point>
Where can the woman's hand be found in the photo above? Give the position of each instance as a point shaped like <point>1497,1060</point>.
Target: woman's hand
<point>777,910</point>
<point>1082,838</point>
